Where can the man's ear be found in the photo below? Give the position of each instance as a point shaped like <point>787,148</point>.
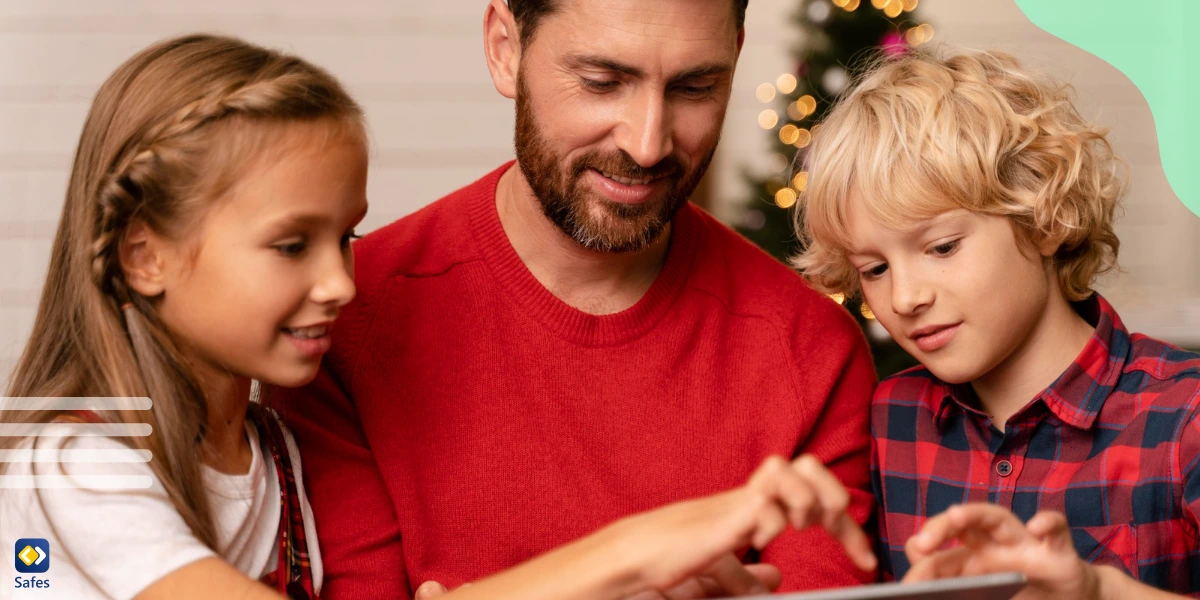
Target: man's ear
<point>142,255</point>
<point>502,47</point>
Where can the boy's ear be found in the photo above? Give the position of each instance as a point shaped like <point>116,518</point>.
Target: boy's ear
<point>1048,246</point>
<point>141,255</point>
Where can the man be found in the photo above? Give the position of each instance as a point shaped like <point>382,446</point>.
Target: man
<point>566,342</point>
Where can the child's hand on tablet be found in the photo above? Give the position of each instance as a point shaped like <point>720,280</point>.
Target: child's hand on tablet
<point>684,550</point>
<point>676,541</point>
<point>993,540</point>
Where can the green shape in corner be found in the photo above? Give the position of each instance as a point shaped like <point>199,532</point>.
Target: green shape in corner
<point>1149,43</point>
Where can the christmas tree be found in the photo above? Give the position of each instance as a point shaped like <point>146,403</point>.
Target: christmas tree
<point>839,38</point>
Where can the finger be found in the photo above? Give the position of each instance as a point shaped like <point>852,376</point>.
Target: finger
<point>855,541</point>
<point>732,577</point>
<point>1052,528</point>
<point>939,565</point>
<point>795,492</point>
<point>771,522</point>
<point>429,589</point>
<point>830,492</point>
<point>692,588</point>
<point>768,575</point>
<point>987,522</point>
<point>647,595</point>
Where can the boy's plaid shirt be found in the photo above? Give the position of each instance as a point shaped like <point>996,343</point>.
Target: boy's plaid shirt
<point>1114,444</point>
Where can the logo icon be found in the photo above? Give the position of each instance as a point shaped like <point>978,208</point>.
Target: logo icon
<point>32,555</point>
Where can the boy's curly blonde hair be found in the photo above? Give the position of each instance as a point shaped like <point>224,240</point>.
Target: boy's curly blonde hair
<point>931,131</point>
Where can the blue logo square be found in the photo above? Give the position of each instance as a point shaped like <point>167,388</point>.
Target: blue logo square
<point>32,555</point>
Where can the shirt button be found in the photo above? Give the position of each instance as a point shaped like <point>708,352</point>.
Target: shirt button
<point>1004,468</point>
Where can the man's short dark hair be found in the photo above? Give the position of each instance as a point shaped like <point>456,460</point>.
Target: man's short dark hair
<point>527,13</point>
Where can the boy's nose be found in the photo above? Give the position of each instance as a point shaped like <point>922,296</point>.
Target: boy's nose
<point>909,295</point>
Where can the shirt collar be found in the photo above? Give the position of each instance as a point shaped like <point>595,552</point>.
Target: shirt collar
<point>1078,394</point>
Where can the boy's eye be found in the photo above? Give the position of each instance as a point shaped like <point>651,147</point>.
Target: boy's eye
<point>291,248</point>
<point>946,249</point>
<point>346,239</point>
<point>874,272</point>
<point>598,86</point>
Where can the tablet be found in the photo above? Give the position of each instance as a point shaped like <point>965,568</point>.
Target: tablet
<point>998,586</point>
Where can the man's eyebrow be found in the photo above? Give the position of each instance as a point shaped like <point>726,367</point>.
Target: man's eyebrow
<point>706,70</point>
<point>600,62</point>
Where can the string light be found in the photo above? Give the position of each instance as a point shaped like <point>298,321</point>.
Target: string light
<point>779,162</point>
<point>838,297</point>
<point>796,112</point>
<point>893,8</point>
<point>765,93</point>
<point>800,181</point>
<point>803,138</point>
<point>786,83</point>
<point>879,3</point>
<point>851,6</point>
<point>809,103</point>
<point>928,29</point>
<point>789,133</point>
<point>768,119</point>
<point>909,5</point>
<point>841,3</point>
<point>785,198</point>
<point>866,312</point>
<point>914,36</point>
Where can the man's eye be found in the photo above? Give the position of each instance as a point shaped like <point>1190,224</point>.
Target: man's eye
<point>598,86</point>
<point>696,91</point>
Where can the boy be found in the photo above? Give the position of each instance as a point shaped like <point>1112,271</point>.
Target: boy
<point>972,207</point>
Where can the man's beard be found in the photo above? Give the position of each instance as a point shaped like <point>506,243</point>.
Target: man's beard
<point>559,188</point>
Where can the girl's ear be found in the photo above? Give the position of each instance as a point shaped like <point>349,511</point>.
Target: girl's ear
<point>142,256</point>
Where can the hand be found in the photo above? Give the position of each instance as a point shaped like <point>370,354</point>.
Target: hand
<point>677,541</point>
<point>993,540</point>
<point>724,578</point>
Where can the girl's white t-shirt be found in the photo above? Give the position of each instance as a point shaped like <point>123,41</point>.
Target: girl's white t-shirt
<point>126,540</point>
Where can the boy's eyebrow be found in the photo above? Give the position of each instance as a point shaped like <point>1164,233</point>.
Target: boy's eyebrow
<point>599,62</point>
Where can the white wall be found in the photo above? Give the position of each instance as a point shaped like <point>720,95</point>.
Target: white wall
<point>418,69</point>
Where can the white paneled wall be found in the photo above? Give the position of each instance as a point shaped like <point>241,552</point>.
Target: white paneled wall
<point>437,123</point>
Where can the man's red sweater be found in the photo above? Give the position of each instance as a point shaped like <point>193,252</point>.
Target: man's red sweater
<point>467,419</point>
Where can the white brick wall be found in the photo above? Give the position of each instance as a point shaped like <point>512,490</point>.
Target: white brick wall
<point>437,123</point>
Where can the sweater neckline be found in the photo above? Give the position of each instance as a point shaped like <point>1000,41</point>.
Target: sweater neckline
<point>566,321</point>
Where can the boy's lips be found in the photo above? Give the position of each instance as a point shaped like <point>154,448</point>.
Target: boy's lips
<point>932,337</point>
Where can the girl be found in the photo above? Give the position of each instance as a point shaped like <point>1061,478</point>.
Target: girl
<point>205,243</point>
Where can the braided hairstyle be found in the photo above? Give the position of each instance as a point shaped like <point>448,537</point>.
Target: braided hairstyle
<point>168,133</point>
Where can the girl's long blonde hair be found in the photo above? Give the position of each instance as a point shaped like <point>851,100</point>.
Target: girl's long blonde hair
<point>168,133</point>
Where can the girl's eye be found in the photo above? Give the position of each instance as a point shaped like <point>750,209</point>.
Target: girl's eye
<point>291,249</point>
<point>946,249</point>
<point>874,272</point>
<point>598,86</point>
<point>349,237</point>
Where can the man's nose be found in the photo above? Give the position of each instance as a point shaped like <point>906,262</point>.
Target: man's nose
<point>645,135</point>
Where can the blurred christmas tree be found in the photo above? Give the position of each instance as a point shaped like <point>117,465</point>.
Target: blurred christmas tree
<point>837,38</point>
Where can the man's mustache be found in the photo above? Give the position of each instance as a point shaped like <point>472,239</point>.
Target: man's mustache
<point>620,164</point>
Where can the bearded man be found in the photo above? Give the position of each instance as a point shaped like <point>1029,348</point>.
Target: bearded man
<point>568,340</point>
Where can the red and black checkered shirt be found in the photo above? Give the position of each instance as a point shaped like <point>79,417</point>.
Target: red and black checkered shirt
<point>1114,443</point>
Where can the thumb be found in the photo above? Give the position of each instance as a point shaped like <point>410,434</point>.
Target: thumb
<point>429,589</point>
